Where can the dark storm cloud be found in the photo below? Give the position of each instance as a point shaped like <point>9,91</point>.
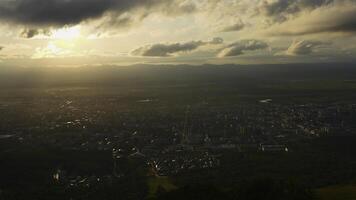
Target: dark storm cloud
<point>281,10</point>
<point>165,50</point>
<point>32,32</point>
<point>240,47</point>
<point>305,47</point>
<point>55,12</point>
<point>70,12</point>
<point>29,33</point>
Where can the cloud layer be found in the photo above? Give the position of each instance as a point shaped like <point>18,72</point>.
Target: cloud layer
<point>240,47</point>
<point>305,47</point>
<point>335,19</point>
<point>169,49</point>
<point>295,17</point>
<point>111,28</point>
<point>234,27</point>
<point>282,10</point>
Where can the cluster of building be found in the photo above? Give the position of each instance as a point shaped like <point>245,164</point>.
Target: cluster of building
<point>170,139</point>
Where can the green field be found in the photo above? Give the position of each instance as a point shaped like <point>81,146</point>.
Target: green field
<point>154,183</point>
<point>347,192</point>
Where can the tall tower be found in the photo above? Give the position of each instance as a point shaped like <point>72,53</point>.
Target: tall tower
<point>185,132</point>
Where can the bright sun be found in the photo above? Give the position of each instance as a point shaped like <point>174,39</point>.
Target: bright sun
<point>63,42</point>
<point>68,33</point>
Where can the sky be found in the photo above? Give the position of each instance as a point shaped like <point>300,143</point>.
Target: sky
<point>125,32</point>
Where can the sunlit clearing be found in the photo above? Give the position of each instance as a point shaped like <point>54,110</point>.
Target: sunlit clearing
<point>50,51</point>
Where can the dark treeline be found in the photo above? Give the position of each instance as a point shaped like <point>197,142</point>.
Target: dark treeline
<point>169,74</point>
